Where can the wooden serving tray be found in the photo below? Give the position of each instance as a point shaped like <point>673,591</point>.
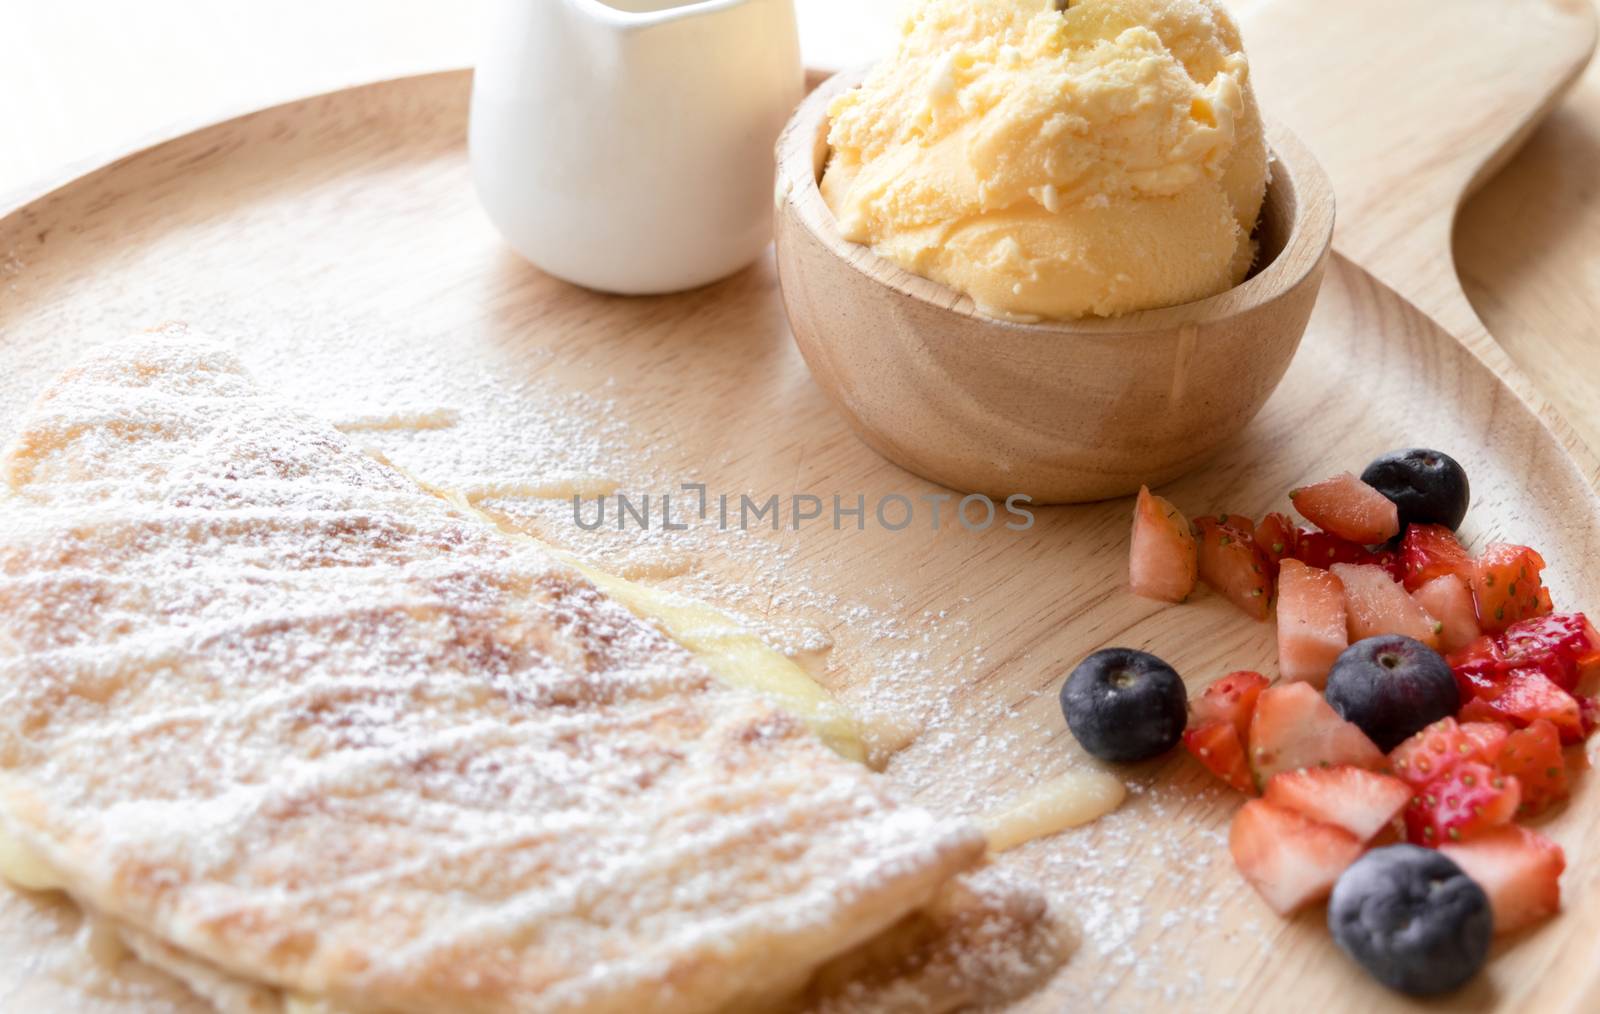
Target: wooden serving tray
<point>337,241</point>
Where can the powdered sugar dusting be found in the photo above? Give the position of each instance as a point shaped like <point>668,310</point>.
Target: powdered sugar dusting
<point>894,671</point>
<point>545,381</point>
<point>266,698</point>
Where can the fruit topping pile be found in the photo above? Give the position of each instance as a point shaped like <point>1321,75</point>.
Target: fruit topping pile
<point>1424,701</point>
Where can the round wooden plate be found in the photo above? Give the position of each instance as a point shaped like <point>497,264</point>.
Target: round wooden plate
<point>337,241</point>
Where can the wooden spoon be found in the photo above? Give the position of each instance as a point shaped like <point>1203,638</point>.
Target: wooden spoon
<point>1063,412</point>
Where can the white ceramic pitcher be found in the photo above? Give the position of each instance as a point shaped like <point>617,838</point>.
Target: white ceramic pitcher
<point>626,145</point>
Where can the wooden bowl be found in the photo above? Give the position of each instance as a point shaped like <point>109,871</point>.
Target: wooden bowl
<point>1061,411</point>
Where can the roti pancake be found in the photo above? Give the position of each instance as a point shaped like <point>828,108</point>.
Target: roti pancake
<point>291,720</point>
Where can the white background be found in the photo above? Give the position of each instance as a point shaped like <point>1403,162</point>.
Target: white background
<point>80,80</point>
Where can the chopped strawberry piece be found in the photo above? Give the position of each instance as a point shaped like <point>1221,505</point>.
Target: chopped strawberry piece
<point>1349,508</point>
<point>1533,757</point>
<point>1441,746</point>
<point>1232,563</point>
<point>1480,663</point>
<point>1358,801</point>
<point>1389,560</point>
<point>1528,695</point>
<point>1277,539</point>
<point>1430,551</point>
<point>1217,746</point>
<point>1290,859</point>
<point>1312,628</point>
<point>1485,740</point>
<point>1467,800</point>
<point>1232,699</point>
<point>1448,599</point>
<point>1589,714</point>
<point>1546,605</point>
<point>1320,549</point>
<point>1162,559</point>
<point>1559,647</point>
<point>1219,727</point>
<point>1478,711</point>
<point>1375,605</point>
<point>1293,727</point>
<point>1507,586</point>
<point>1563,646</point>
<point>1518,869</point>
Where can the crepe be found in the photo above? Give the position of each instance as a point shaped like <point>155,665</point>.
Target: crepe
<point>300,729</point>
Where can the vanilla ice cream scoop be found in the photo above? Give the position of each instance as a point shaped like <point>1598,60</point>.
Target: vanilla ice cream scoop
<point>1056,163</point>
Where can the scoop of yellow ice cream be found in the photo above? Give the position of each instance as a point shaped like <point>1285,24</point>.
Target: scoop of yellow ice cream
<point>1097,160</point>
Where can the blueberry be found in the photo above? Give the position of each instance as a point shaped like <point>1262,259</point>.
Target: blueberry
<point>1392,686</point>
<point>1428,487</point>
<point>1412,919</point>
<point>1125,705</point>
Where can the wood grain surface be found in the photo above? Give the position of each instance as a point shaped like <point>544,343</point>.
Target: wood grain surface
<point>338,242</point>
<point>1527,246</point>
<point>82,81</point>
<point>1405,136</point>
<point>1413,107</point>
